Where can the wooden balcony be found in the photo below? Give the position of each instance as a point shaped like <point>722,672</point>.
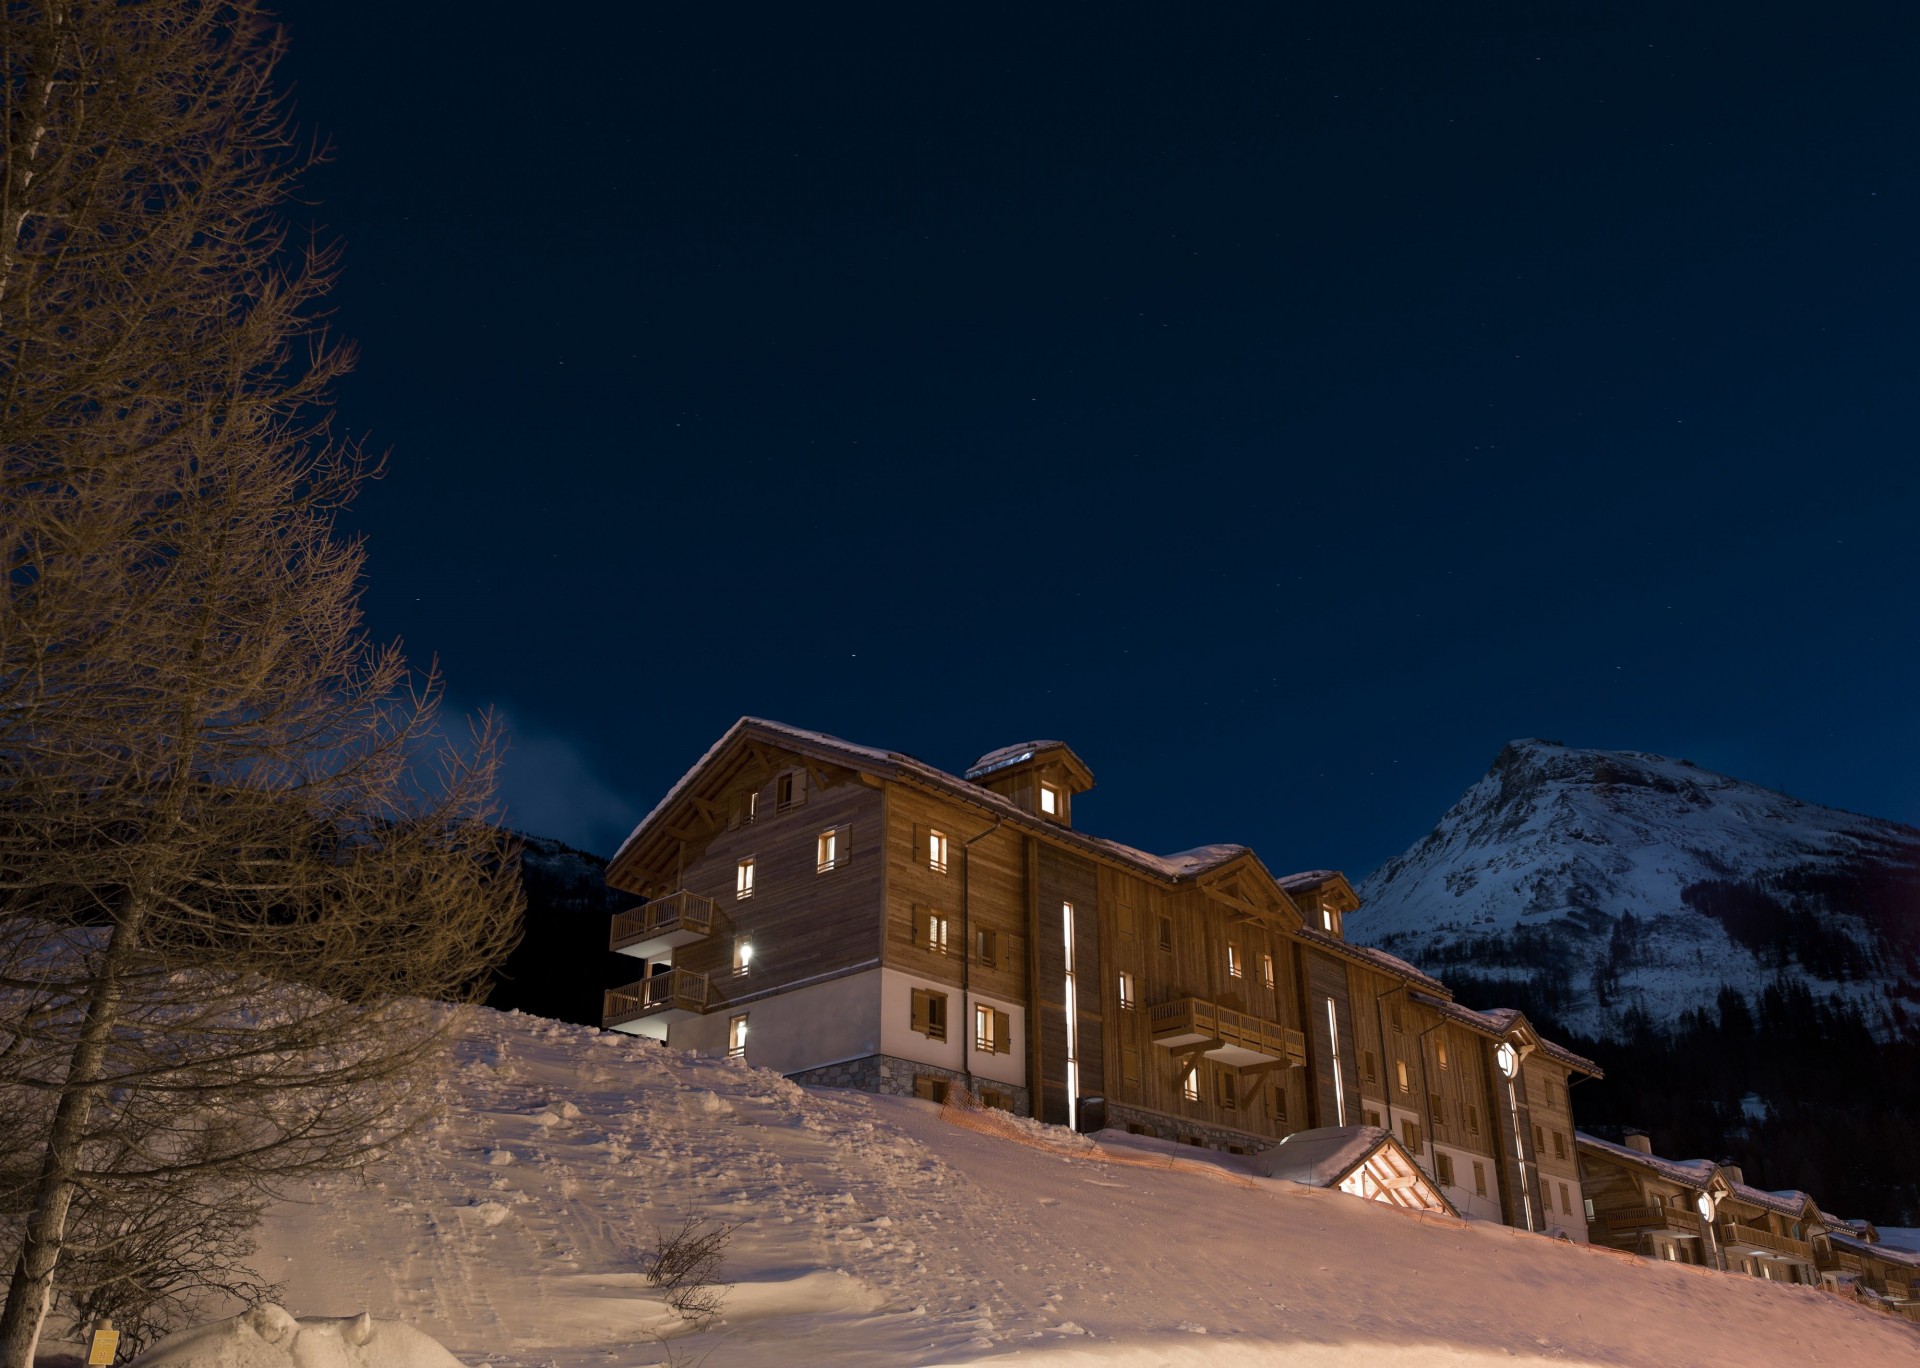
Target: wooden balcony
<point>1234,1038</point>
<point>1745,1239</point>
<point>1630,1223</point>
<point>646,1008</point>
<point>649,931</point>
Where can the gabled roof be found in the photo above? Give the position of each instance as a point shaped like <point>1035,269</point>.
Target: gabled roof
<point>1906,1258</point>
<point>1189,866</point>
<point>1694,1174</point>
<point>1502,1022</point>
<point>1700,1175</point>
<point>1328,1156</point>
<point>1021,752</point>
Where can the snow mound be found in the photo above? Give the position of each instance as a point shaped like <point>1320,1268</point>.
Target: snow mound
<point>272,1337</point>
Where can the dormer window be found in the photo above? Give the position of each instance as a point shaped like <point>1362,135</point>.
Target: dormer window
<point>1050,800</point>
<point>1326,919</point>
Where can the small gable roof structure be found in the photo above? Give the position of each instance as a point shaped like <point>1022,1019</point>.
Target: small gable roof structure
<point>1362,1161</point>
<point>1510,1024</point>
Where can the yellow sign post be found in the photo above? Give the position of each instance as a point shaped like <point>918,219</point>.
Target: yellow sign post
<point>106,1343</point>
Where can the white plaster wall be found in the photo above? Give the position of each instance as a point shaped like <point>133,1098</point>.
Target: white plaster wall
<point>1462,1195</point>
<point>805,1028</point>
<point>898,1038</point>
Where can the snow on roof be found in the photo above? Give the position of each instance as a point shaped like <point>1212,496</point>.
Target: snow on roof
<point>1688,1173</point>
<point>1377,959</point>
<point>1321,1158</point>
<point>1183,864</point>
<point>1010,755</point>
<point>1498,1021</point>
<point>1907,1258</point>
<point>1307,878</point>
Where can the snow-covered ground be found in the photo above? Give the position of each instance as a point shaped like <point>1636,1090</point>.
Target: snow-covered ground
<point>874,1233</point>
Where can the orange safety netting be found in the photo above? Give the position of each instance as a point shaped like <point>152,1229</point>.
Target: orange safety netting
<point>964,1110</point>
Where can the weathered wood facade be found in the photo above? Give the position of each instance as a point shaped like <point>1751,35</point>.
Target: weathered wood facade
<point>854,916</point>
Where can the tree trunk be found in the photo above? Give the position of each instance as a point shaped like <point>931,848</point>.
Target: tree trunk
<point>31,1291</point>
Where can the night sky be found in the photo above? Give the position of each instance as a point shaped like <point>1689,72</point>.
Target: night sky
<point>1285,405</point>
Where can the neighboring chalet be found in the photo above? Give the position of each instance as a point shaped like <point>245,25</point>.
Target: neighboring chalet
<point>856,917</point>
<point>1696,1211</point>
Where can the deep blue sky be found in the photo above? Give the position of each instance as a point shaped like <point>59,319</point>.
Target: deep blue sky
<point>1285,405</point>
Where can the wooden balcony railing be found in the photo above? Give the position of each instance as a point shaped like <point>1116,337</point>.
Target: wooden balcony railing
<point>682,911</point>
<point>1635,1221</point>
<point>677,988</point>
<point>1737,1236</point>
<point>1197,1016</point>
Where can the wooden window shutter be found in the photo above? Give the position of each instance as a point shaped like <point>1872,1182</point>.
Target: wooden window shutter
<point>843,851</point>
<point>800,777</point>
<point>922,1010</point>
<point>1002,1033</point>
<point>922,926</point>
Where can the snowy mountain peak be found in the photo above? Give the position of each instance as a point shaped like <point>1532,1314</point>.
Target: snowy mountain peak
<point>1610,879</point>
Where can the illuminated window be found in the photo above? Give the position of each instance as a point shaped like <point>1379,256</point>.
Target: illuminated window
<point>1440,1050</point>
<point>1587,1202</point>
<point>1049,800</point>
<point>1480,1178</point>
<point>937,851</point>
<point>1339,1083</point>
<point>1400,1072</point>
<point>930,930</point>
<point>1443,1168</point>
<point>737,1037</point>
<point>992,1030</point>
<point>1236,966</point>
<point>1266,969</point>
<point>1190,1082</point>
<point>1326,919</point>
<point>743,878</point>
<point>742,955</point>
<point>1126,991</point>
<point>826,851</point>
<point>930,1013</point>
<point>1073,1018</point>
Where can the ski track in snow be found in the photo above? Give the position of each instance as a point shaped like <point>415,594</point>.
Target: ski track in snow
<point>872,1233</point>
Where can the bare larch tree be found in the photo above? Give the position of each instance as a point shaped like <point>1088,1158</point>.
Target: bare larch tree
<point>236,855</point>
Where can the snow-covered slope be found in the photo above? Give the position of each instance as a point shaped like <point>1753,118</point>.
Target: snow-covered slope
<point>874,1233</point>
<point>1619,878</point>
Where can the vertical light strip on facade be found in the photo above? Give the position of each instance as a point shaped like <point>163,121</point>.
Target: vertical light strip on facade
<point>1339,1088</point>
<point>1073,1032</point>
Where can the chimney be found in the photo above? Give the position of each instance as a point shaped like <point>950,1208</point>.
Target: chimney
<point>1637,1140</point>
<point>1732,1170</point>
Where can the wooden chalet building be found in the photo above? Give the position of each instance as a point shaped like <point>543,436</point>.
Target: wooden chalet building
<point>856,917</point>
<point>1696,1211</point>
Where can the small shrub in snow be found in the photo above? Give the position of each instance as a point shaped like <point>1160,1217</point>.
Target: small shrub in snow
<point>685,1265</point>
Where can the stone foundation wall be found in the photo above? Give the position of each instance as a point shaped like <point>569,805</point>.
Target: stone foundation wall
<point>894,1077</point>
<point>1120,1116</point>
